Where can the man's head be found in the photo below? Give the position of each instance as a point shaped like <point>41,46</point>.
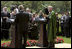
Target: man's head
<point>66,13</point>
<point>34,14</point>
<point>50,8</point>
<point>62,13</point>
<point>21,7</point>
<point>5,9</point>
<point>46,11</point>
<point>27,10</point>
<point>56,14</point>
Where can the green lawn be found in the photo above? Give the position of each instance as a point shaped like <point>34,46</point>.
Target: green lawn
<point>66,40</point>
<point>4,41</point>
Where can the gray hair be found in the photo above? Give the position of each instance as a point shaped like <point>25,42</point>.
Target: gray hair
<point>4,8</point>
<point>50,7</point>
<point>27,9</point>
<point>21,7</point>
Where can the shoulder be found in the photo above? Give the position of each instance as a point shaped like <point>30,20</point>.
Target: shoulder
<point>25,13</point>
<point>8,13</point>
<point>2,12</point>
<point>17,13</point>
<point>53,13</point>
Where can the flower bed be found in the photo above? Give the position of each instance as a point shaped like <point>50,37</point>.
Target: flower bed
<point>59,40</point>
<point>5,45</point>
<point>31,43</point>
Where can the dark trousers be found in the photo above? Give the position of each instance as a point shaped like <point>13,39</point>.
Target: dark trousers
<point>66,31</point>
<point>62,29</point>
<point>5,30</point>
<point>1,34</point>
<point>25,39</point>
<point>57,27</point>
<point>69,30</point>
<point>19,40</point>
<point>5,34</point>
<point>51,45</point>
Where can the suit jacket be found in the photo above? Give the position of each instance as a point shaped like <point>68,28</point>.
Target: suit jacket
<point>21,21</point>
<point>5,15</point>
<point>66,21</point>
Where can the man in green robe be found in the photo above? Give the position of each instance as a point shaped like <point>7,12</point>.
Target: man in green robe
<point>51,27</point>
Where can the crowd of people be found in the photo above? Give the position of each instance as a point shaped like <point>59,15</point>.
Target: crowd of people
<point>6,15</point>
<point>65,20</point>
<point>65,23</point>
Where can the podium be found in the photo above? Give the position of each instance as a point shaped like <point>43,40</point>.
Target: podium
<point>43,42</point>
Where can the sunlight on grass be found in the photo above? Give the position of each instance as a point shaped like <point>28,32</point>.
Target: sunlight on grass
<point>4,41</point>
<point>66,40</point>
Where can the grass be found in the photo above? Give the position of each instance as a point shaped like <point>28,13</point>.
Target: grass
<point>66,40</point>
<point>4,41</point>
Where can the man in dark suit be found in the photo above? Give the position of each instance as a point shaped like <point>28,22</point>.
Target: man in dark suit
<point>21,22</point>
<point>66,24</point>
<point>5,25</point>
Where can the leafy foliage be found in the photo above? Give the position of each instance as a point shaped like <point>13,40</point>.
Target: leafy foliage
<point>59,6</point>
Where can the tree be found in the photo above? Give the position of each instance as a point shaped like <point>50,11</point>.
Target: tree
<point>58,6</point>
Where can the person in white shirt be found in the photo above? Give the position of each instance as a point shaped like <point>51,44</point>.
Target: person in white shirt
<point>13,14</point>
<point>62,24</point>
<point>17,11</point>
<point>29,11</point>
